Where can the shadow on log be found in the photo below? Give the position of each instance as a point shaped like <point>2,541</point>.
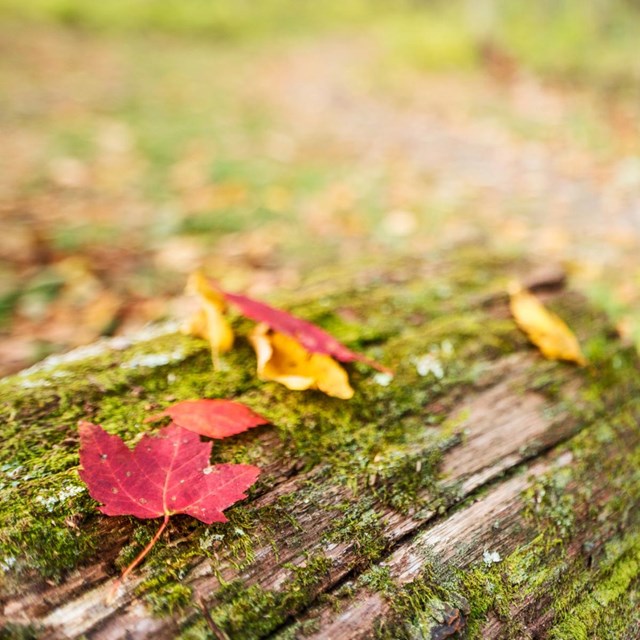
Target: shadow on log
<point>483,493</point>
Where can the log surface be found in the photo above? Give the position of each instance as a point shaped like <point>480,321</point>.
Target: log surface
<point>483,493</point>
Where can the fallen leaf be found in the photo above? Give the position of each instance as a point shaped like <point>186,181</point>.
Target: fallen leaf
<point>165,474</point>
<point>311,337</point>
<point>284,360</point>
<point>154,479</point>
<point>209,322</point>
<point>212,418</point>
<point>544,328</point>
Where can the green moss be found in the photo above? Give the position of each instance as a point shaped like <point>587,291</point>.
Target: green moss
<point>593,604</point>
<point>253,612</point>
<point>551,505</point>
<point>12,631</point>
<point>306,581</point>
<point>377,578</point>
<point>186,540</point>
<point>486,590</point>
<point>623,611</point>
<point>359,526</point>
<point>421,606</point>
<point>168,597</point>
<point>547,382</point>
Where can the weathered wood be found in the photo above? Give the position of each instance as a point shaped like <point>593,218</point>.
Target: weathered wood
<point>485,491</point>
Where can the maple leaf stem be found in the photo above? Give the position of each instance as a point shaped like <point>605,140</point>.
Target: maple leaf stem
<point>140,557</point>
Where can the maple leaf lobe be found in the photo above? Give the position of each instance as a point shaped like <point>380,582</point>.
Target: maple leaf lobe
<point>164,475</point>
<point>213,418</point>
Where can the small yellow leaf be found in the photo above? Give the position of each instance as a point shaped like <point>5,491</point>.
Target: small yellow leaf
<point>284,360</point>
<point>209,322</point>
<point>544,328</point>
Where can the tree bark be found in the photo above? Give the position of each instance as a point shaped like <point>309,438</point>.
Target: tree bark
<point>483,493</point>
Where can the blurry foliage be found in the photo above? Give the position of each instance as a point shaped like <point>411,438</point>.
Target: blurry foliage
<point>154,150</point>
<point>582,40</point>
<point>224,19</point>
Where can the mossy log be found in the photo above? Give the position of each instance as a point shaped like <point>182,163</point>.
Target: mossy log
<point>484,492</point>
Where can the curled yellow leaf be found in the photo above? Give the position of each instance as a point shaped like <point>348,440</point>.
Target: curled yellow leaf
<point>545,329</point>
<point>209,322</point>
<point>284,360</point>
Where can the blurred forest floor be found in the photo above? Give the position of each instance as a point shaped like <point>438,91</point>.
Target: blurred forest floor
<point>135,149</point>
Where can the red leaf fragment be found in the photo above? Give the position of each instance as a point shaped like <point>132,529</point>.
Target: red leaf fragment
<point>212,418</point>
<point>165,474</point>
<point>310,336</point>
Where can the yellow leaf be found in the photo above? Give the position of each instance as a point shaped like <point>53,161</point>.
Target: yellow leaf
<point>209,322</point>
<point>544,328</point>
<point>284,360</point>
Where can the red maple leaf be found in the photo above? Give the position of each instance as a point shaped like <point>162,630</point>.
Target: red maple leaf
<point>165,474</point>
<point>212,418</point>
<point>310,336</point>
